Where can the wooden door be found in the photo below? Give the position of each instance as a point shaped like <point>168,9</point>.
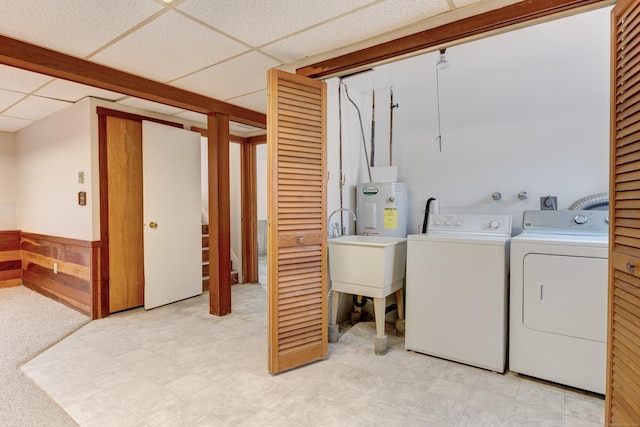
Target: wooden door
<point>623,365</point>
<point>126,249</point>
<point>297,258</point>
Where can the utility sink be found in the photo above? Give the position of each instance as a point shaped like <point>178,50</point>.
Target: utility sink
<point>371,266</point>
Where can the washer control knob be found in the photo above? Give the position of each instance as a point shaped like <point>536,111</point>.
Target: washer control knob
<point>458,223</point>
<point>580,219</point>
<point>494,225</point>
<point>447,223</point>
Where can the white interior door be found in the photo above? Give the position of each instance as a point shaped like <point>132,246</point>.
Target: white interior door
<point>172,219</point>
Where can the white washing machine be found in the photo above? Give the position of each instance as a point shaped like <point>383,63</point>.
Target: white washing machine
<point>457,289</point>
<point>558,298</point>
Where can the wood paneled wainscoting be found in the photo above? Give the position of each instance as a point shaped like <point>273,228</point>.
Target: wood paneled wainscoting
<point>66,270</point>
<point>10,259</point>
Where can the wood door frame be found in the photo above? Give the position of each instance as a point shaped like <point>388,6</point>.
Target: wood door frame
<point>248,201</point>
<point>102,292</point>
<point>250,207</point>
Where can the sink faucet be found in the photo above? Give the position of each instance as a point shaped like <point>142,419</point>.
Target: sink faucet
<point>335,231</point>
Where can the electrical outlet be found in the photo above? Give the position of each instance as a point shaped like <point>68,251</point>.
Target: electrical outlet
<point>549,203</point>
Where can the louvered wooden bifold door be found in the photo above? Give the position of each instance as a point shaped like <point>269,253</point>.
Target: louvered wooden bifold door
<point>623,373</point>
<point>296,225</point>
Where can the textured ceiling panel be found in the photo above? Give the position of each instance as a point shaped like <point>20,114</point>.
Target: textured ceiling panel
<point>71,26</point>
<point>19,80</point>
<point>256,101</point>
<point>158,51</point>
<point>370,22</point>
<point>258,23</point>
<point>11,124</point>
<point>8,98</point>
<point>186,44</point>
<point>150,106</point>
<point>35,108</point>
<point>73,92</point>
<point>462,3</point>
<point>249,73</point>
<point>194,117</point>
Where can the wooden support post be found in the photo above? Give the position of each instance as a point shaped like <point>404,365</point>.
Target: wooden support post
<point>219,215</point>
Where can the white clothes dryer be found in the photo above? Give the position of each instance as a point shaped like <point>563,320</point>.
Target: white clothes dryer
<point>457,289</point>
<point>558,298</point>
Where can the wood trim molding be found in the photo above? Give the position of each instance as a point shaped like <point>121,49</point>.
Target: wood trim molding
<point>56,64</point>
<point>249,213</point>
<point>258,139</point>
<point>232,138</point>
<point>443,35</point>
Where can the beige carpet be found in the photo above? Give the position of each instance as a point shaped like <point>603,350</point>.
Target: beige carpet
<point>29,324</point>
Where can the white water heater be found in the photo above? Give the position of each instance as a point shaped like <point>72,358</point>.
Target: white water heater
<point>381,209</point>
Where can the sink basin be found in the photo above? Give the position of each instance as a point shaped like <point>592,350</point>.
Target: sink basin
<point>372,266</point>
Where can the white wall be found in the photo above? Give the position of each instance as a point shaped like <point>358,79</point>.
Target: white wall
<point>8,181</point>
<point>50,154</point>
<point>522,111</point>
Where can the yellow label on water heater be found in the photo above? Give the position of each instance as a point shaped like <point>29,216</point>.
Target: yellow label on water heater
<point>390,217</point>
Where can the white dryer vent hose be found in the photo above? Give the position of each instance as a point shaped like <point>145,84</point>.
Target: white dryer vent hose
<point>591,202</point>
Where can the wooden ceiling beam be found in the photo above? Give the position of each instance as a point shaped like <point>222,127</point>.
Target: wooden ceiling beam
<point>476,25</point>
<point>34,58</point>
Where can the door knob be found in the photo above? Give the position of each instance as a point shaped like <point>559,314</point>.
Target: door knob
<point>153,225</point>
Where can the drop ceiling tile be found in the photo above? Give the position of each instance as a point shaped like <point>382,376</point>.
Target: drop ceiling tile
<point>11,124</point>
<point>236,77</point>
<point>70,26</point>
<point>257,23</point>
<point>364,24</point>
<point>462,3</point>
<point>155,107</point>
<point>169,47</point>
<point>256,101</point>
<point>193,116</point>
<point>19,80</point>
<point>74,92</point>
<point>245,131</point>
<point>8,98</point>
<point>35,108</point>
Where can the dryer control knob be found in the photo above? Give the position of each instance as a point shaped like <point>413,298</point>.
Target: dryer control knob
<point>580,219</point>
<point>493,225</point>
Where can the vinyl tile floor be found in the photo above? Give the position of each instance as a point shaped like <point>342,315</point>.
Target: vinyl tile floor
<point>179,366</point>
